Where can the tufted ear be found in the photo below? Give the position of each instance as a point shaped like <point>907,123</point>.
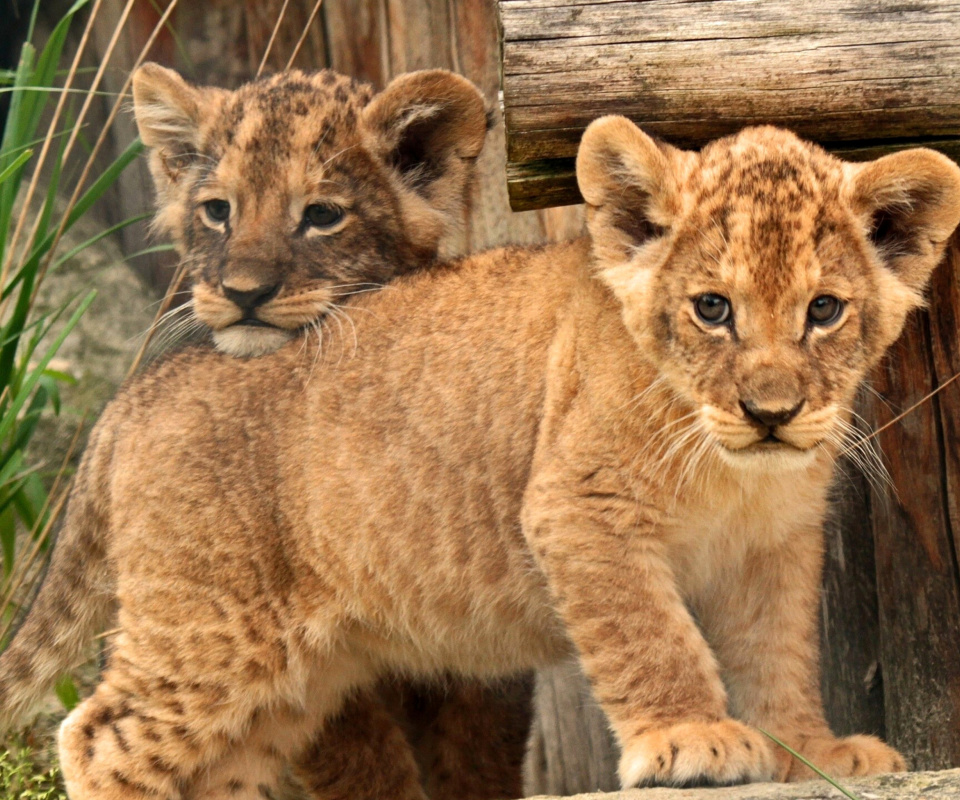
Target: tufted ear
<point>168,111</point>
<point>910,203</point>
<point>629,183</point>
<point>429,127</point>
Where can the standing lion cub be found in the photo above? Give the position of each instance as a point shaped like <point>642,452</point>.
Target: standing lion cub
<point>576,449</point>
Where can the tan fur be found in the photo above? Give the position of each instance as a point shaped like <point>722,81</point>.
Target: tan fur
<point>531,453</point>
<point>401,164</point>
<point>398,165</point>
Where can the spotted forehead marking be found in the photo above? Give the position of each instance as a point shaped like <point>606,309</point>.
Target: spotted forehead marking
<point>267,122</point>
<point>766,194</point>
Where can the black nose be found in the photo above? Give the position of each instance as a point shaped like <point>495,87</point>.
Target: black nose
<point>249,299</point>
<point>770,417</point>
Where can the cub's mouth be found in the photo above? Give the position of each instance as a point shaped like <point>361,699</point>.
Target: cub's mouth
<point>772,442</point>
<point>250,338</point>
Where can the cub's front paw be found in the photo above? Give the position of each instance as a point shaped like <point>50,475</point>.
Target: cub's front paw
<point>697,753</point>
<point>841,758</point>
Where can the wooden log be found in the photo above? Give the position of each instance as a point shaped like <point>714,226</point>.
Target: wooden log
<point>571,748</point>
<point>851,76</point>
<point>851,680</point>
<point>915,531</point>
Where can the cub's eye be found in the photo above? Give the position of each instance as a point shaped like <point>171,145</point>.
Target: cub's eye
<point>320,215</point>
<point>713,309</point>
<point>217,211</point>
<point>824,310</point>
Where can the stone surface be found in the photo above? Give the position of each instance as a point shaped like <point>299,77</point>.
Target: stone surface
<point>906,786</point>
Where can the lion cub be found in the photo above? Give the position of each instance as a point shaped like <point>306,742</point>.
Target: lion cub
<point>294,193</point>
<point>576,449</point>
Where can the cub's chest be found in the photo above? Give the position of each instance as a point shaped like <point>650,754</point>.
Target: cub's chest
<point>708,538</point>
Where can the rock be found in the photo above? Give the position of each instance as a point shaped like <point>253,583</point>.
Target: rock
<point>902,786</point>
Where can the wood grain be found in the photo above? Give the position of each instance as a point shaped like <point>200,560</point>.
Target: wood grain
<point>851,679</point>
<point>357,32</point>
<point>571,748</point>
<point>858,72</point>
<point>914,529</point>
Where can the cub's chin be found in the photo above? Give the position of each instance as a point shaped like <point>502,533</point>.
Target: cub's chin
<point>766,458</point>
<point>247,341</point>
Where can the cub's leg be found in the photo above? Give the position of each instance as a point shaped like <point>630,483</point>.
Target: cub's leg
<point>360,754</point>
<point>255,767</point>
<point>135,745</point>
<point>186,716</point>
<point>468,737</point>
<point>763,625</point>
<point>651,669</point>
<point>473,747</point>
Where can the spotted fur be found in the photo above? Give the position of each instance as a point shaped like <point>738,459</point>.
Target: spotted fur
<point>400,165</point>
<point>396,167</point>
<point>522,462</point>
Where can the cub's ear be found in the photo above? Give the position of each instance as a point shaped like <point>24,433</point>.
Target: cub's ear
<point>629,184</point>
<point>910,203</point>
<point>167,110</point>
<point>429,127</point>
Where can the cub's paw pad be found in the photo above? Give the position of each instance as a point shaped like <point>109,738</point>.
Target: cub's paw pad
<point>844,758</point>
<point>697,753</point>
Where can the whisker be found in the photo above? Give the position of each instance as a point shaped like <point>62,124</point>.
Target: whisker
<point>337,309</point>
<point>859,448</point>
<point>337,155</point>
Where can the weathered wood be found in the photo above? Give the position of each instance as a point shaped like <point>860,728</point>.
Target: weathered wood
<point>915,531</point>
<point>571,747</point>
<point>945,340</point>
<point>359,39</point>
<point>553,182</point>
<point>851,679</point>
<point>909,786</point>
<point>861,72</point>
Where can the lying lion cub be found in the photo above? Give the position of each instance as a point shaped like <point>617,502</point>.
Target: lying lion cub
<point>532,453</point>
<point>294,193</point>
<point>287,199</point>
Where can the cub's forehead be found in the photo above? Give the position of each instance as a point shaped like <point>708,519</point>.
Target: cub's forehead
<point>765,169</point>
<point>305,117</point>
<point>768,206</point>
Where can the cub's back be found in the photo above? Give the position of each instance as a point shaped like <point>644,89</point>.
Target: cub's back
<point>382,462</point>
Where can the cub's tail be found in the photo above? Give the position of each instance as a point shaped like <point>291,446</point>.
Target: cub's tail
<point>76,597</point>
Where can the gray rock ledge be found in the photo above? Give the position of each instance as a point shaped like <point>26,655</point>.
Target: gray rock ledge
<point>943,785</point>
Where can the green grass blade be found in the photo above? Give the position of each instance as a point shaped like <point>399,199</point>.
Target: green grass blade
<point>33,20</point>
<point>157,248</point>
<point>9,418</point>
<point>105,180</point>
<point>67,692</point>
<point>11,139</point>
<point>87,199</point>
<point>18,162</point>
<point>102,235</point>
<point>812,766</point>
<point>8,538</point>
<point>12,331</point>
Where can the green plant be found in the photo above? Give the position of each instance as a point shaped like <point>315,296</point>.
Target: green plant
<point>23,777</point>
<point>35,175</point>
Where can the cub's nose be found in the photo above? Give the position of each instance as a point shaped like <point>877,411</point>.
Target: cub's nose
<point>249,299</point>
<point>770,416</point>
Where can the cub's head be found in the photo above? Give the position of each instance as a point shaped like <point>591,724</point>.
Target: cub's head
<point>763,276</point>
<point>294,191</point>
